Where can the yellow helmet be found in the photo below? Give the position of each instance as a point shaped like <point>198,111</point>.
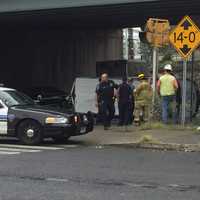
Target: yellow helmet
<point>141,76</point>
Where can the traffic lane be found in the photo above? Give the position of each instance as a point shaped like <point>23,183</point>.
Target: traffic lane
<point>49,141</point>
<point>49,182</point>
<point>112,165</point>
<point>27,189</point>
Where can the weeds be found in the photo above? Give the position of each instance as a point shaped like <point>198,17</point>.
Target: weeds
<point>159,125</point>
<point>148,139</point>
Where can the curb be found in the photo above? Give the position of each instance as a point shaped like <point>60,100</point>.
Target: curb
<point>159,146</point>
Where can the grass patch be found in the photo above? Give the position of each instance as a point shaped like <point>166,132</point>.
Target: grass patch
<point>160,125</point>
<point>197,130</point>
<point>148,139</point>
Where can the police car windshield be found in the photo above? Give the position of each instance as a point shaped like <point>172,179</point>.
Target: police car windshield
<point>15,98</point>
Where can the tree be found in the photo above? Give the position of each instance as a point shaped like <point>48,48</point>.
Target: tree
<point>166,54</point>
<point>146,52</point>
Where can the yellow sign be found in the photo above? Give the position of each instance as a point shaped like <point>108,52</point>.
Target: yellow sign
<point>157,32</point>
<point>185,37</point>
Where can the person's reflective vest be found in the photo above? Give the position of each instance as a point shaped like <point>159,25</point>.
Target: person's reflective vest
<point>166,85</point>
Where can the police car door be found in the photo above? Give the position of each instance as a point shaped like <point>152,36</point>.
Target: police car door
<point>3,118</point>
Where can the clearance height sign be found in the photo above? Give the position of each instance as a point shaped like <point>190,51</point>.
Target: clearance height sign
<point>185,37</point>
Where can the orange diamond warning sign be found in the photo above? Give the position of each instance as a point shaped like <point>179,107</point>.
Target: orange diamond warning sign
<point>185,37</point>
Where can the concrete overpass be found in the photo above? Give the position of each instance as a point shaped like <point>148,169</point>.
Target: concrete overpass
<point>93,13</point>
<point>48,42</point>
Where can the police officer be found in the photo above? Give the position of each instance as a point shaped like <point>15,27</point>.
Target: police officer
<point>143,97</point>
<point>124,103</point>
<point>105,98</point>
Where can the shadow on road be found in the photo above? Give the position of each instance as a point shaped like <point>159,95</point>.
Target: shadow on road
<point>46,142</point>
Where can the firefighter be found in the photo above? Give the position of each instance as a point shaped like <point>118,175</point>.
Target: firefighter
<point>143,100</point>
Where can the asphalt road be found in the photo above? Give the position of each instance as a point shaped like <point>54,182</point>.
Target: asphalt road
<point>95,173</point>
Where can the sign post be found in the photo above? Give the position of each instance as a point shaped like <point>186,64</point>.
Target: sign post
<point>154,74</point>
<point>185,38</point>
<point>184,92</point>
<point>191,92</point>
<point>157,32</point>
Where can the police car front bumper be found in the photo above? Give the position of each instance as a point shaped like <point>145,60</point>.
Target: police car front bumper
<point>73,129</point>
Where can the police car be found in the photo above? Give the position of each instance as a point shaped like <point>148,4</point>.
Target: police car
<point>20,117</point>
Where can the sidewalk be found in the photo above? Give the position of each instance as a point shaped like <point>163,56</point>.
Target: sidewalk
<point>163,139</point>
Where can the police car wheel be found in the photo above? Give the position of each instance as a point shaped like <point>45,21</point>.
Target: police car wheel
<point>60,139</point>
<point>30,132</point>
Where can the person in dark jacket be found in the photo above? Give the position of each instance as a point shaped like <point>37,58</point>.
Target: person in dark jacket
<point>131,118</point>
<point>178,96</point>
<point>98,119</point>
<point>124,102</point>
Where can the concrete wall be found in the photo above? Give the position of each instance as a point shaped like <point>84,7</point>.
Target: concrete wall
<point>55,57</point>
<point>93,46</point>
<point>75,55</point>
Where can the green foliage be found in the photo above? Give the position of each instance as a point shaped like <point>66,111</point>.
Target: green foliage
<point>146,52</point>
<point>166,54</point>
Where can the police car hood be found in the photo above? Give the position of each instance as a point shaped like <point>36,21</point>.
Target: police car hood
<point>43,109</point>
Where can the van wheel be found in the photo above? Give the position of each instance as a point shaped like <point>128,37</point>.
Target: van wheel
<point>30,132</point>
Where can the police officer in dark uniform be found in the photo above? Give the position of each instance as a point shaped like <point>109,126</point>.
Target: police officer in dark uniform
<point>124,103</point>
<point>105,100</point>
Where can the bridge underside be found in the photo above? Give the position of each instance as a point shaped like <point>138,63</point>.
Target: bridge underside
<point>110,16</point>
<point>53,46</point>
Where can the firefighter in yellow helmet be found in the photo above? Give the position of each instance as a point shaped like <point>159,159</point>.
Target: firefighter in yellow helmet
<point>143,100</point>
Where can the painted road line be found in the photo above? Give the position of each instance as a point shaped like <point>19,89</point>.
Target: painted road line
<point>57,180</point>
<point>19,150</point>
<point>30,147</point>
<point>68,146</point>
<point>9,153</point>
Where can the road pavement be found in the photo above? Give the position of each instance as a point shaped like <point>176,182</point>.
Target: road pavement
<point>73,172</point>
